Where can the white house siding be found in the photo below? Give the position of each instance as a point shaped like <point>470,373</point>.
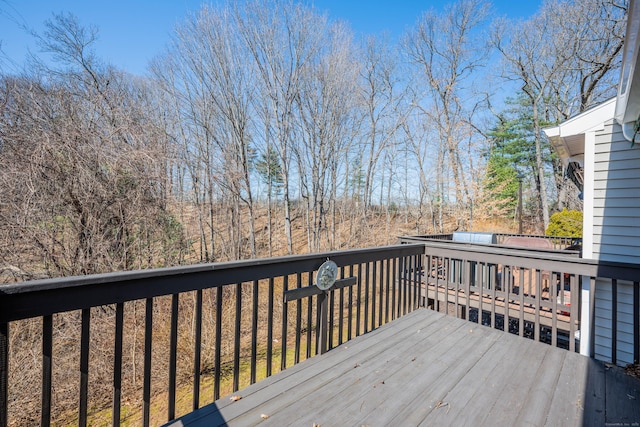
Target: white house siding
<point>615,234</point>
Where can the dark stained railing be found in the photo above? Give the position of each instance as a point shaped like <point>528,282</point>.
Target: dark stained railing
<point>226,325</point>
<point>557,242</point>
<point>525,293</point>
<point>531,293</point>
<point>423,237</point>
<point>236,315</point>
<point>510,239</point>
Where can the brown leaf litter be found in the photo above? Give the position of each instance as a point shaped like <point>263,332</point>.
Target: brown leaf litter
<point>633,370</point>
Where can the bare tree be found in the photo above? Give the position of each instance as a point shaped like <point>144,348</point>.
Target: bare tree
<point>418,136</point>
<point>564,59</point>
<point>82,172</point>
<point>283,38</point>
<point>205,71</point>
<point>448,52</point>
<point>588,35</point>
<point>326,106</point>
<point>381,98</point>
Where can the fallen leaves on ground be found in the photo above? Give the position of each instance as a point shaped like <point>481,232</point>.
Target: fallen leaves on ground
<point>633,370</point>
<point>441,404</point>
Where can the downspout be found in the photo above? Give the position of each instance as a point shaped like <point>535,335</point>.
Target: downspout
<point>630,131</point>
<point>628,99</point>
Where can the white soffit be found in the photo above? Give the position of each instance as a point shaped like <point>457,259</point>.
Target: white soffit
<point>567,138</point>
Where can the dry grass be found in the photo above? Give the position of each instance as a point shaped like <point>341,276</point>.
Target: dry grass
<point>131,414</point>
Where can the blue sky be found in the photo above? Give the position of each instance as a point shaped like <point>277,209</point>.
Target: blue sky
<point>131,32</point>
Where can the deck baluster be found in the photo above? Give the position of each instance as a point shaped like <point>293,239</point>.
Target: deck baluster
<point>218,345</point>
<point>236,338</point>
<point>117,365</point>
<point>197,350</point>
<point>146,388</point>
<point>283,353</point>
<point>270,315</point>
<point>4,374</point>
<point>614,321</point>
<point>350,309</point>
<point>47,357</point>
<point>366,297</point>
<point>84,365</point>
<point>296,358</point>
<point>254,332</point>
<point>310,318</point>
<point>636,321</point>
<point>173,356</point>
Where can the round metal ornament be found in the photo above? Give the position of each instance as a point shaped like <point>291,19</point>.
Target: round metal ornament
<point>327,274</point>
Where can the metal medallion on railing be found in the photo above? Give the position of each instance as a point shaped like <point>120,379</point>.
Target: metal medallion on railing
<point>327,275</point>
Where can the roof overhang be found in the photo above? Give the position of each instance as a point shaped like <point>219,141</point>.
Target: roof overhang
<point>567,139</point>
<point>628,107</point>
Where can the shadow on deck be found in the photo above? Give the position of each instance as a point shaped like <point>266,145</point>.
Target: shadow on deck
<point>430,369</point>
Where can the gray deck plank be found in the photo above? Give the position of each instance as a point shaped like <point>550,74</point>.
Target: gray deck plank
<point>488,388</point>
<point>363,347</point>
<point>402,386</point>
<point>500,397</point>
<point>512,387</point>
<point>359,377</point>
<point>459,395</point>
<point>396,374</point>
<point>538,398</point>
<point>622,397</point>
<point>567,403</point>
<point>594,394</point>
<point>423,390</point>
<point>311,378</point>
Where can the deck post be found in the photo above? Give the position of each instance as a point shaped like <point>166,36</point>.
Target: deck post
<point>586,321</point>
<point>322,306</point>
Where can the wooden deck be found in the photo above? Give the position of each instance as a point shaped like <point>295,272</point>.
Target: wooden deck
<point>430,369</point>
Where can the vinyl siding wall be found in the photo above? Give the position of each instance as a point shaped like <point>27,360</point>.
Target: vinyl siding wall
<point>616,235</point>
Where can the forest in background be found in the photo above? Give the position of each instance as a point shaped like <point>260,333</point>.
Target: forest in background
<point>267,128</point>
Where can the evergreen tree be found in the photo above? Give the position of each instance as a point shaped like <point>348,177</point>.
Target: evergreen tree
<point>501,185</point>
<point>513,152</point>
<point>270,170</point>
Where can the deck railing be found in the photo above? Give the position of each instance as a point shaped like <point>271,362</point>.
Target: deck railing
<point>534,294</point>
<point>558,242</point>
<point>153,339</point>
<point>554,242</point>
<point>207,325</point>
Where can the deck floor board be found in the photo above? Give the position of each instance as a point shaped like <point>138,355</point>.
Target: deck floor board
<point>320,382</point>
<point>539,396</point>
<point>481,386</point>
<point>381,402</point>
<point>436,382</point>
<point>622,397</point>
<point>341,387</point>
<point>566,407</point>
<point>427,368</point>
<point>594,394</point>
